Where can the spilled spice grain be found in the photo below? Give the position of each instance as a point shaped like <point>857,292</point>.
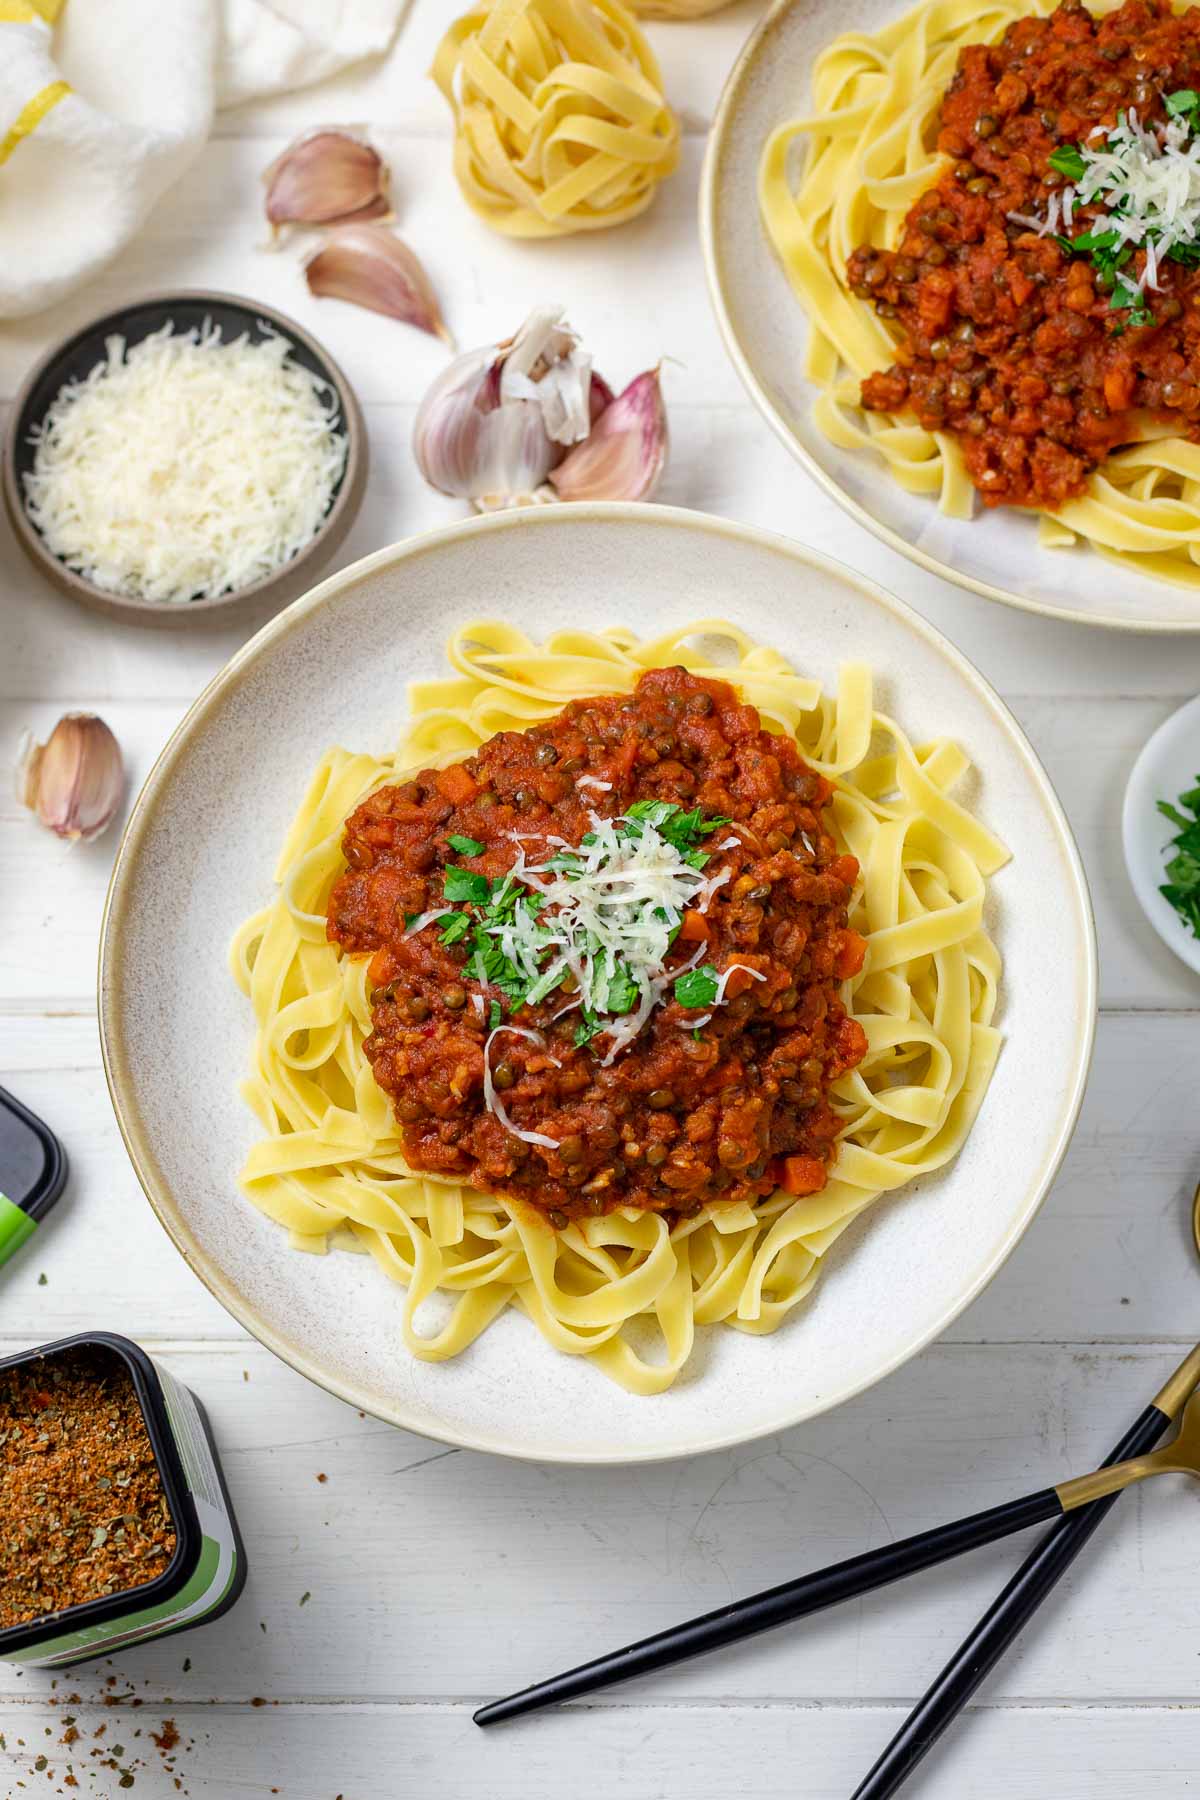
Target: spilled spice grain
<point>82,1509</point>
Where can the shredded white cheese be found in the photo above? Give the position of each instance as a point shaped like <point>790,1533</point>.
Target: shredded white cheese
<point>618,902</point>
<point>185,467</point>
<point>491,1098</point>
<point>1147,178</point>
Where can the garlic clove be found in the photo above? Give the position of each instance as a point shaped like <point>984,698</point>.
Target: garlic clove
<point>625,453</point>
<point>495,422</point>
<point>75,780</point>
<point>370,266</point>
<point>469,444</point>
<point>601,396</point>
<point>326,176</point>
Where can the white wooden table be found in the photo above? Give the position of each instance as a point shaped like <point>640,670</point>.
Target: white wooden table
<point>371,1651</point>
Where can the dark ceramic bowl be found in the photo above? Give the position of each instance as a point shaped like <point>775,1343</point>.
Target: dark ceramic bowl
<point>80,353</point>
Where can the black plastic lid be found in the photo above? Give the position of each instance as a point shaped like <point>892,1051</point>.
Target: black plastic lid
<point>33,1164</point>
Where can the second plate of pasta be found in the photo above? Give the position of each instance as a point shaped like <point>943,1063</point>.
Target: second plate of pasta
<point>824,152</point>
<point>678,989</point>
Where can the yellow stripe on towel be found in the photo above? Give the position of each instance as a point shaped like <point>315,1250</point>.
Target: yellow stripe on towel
<point>31,115</point>
<point>24,12</point>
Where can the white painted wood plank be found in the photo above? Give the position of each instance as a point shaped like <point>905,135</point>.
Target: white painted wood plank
<point>707,1753</point>
<point>1107,1258</point>
<point>54,893</point>
<point>435,1573</point>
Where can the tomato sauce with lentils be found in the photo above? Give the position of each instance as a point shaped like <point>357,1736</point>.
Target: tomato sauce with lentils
<point>1007,341</point>
<point>681,1117</point>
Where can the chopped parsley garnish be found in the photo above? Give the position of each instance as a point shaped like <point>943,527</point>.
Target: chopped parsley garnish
<point>1184,104</point>
<point>698,987</point>
<point>598,921</point>
<point>1067,160</point>
<point>465,884</point>
<point>1182,888</point>
<point>454,927</point>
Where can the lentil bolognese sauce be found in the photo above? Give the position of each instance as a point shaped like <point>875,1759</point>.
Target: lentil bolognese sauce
<point>606,956</point>
<point>1045,288</point>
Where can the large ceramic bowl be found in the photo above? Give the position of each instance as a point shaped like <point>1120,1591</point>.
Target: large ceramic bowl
<point>197,858</point>
<point>996,553</point>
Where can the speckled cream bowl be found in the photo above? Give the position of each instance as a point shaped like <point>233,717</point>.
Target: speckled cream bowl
<point>197,858</point>
<point>765,330</point>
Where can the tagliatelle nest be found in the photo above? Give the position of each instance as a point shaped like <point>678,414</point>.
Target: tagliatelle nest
<point>561,122</point>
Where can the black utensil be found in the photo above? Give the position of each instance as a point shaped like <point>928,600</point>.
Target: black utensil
<point>1014,1606</point>
<point>823,1587</point>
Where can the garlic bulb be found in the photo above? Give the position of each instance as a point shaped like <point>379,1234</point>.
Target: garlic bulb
<point>496,421</point>
<point>528,420</point>
<point>75,780</point>
<point>368,265</point>
<point>327,176</point>
<point>625,453</point>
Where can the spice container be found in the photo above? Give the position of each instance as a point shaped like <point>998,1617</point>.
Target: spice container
<point>115,1523</point>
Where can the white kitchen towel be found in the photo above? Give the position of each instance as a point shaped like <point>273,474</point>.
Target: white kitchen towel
<point>104,103</point>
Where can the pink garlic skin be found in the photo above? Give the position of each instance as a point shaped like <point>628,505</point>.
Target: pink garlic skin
<point>369,266</point>
<point>73,782</point>
<point>624,455</point>
<point>327,176</point>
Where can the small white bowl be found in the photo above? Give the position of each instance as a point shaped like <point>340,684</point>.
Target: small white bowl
<point>1168,766</point>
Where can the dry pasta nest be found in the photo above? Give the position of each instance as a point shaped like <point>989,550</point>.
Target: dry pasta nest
<point>561,122</point>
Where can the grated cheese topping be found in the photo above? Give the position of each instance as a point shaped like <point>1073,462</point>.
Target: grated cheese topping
<point>610,910</point>
<point>1146,178</point>
<point>185,467</point>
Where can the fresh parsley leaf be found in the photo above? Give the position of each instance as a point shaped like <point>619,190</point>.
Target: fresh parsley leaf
<point>495,1015</point>
<point>1068,161</point>
<point>464,845</point>
<point>1096,240</point>
<point>653,812</point>
<point>410,918</point>
<point>489,964</point>
<point>623,991</point>
<point>586,1030</point>
<point>698,987</point>
<point>464,884</point>
<point>1187,254</point>
<point>1183,100</point>
<point>1182,887</point>
<point>455,926</point>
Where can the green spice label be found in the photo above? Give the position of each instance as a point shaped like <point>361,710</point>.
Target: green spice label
<point>15,1227</point>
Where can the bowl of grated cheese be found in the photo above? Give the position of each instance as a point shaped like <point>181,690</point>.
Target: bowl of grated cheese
<point>183,457</point>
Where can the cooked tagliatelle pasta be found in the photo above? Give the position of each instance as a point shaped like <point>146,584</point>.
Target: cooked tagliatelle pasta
<point>842,179</point>
<point>561,124</point>
<point>627,1287</point>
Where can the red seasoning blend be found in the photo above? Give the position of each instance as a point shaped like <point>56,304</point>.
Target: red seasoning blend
<point>83,1514</point>
<point>114,1520</point>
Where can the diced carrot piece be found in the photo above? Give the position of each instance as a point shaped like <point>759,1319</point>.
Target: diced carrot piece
<point>850,954</point>
<point>845,870</point>
<point>1119,383</point>
<point>455,785</point>
<point>740,980</point>
<point>803,1175</point>
<point>694,928</point>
